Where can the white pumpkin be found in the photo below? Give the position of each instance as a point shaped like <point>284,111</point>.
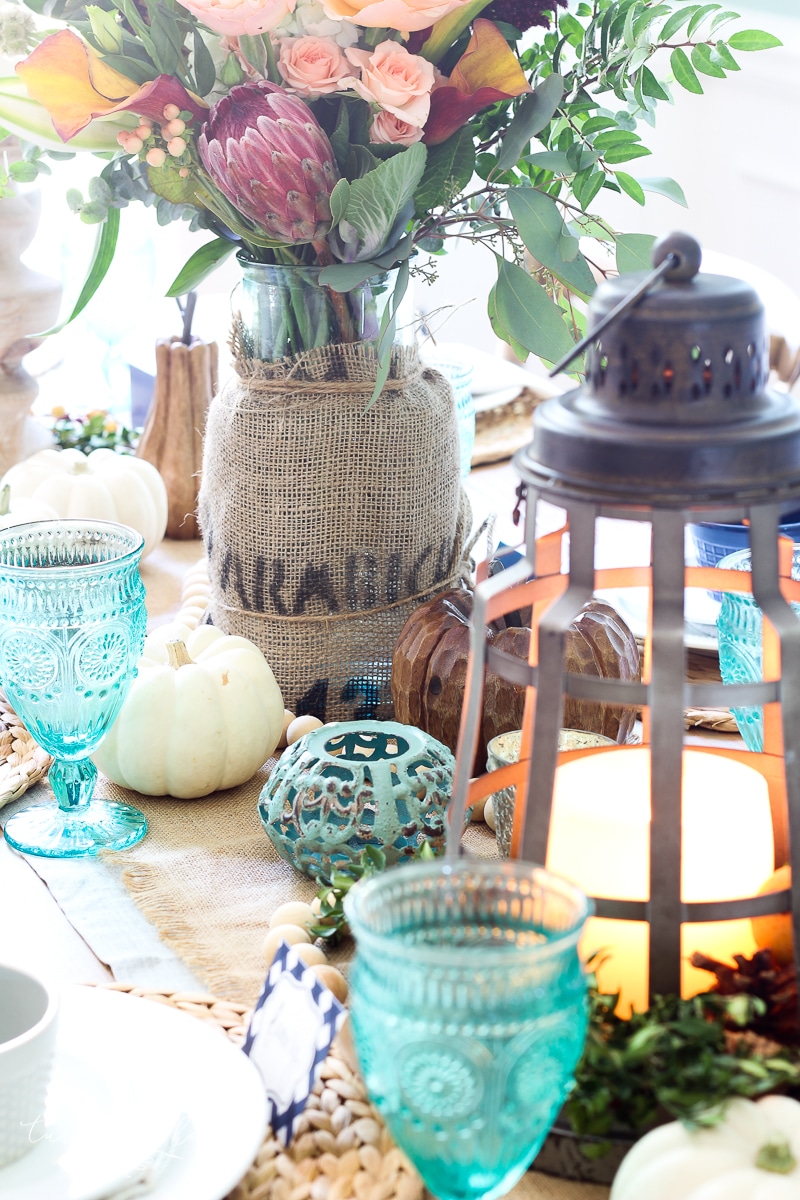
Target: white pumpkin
<point>22,509</point>
<point>103,486</point>
<point>203,714</point>
<point>752,1154</point>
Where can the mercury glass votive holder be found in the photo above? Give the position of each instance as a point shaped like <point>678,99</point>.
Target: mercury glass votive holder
<point>503,750</point>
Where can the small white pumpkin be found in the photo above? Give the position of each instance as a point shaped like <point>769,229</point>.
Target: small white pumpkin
<point>22,509</point>
<point>102,486</point>
<point>203,714</point>
<point>752,1154</point>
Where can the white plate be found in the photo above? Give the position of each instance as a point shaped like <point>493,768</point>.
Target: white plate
<point>700,615</point>
<point>484,401</point>
<point>138,1083</point>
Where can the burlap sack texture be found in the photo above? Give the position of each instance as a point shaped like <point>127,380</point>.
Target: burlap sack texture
<point>327,521</point>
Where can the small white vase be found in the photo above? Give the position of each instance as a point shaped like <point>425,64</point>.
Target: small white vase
<point>29,302</point>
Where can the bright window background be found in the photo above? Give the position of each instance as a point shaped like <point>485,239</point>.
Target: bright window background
<point>734,150</point>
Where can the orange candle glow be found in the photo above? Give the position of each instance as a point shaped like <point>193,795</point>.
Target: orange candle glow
<point>600,839</point>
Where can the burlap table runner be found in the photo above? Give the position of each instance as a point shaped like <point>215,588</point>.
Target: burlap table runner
<point>208,878</point>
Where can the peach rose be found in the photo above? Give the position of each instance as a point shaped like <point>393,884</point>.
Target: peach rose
<point>406,16</point>
<point>400,82</point>
<point>312,66</point>
<point>386,127</point>
<point>235,18</point>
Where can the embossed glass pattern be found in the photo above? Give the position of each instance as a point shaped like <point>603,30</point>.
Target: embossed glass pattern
<point>72,627</point>
<point>740,651</point>
<point>468,1004</point>
<point>352,784</point>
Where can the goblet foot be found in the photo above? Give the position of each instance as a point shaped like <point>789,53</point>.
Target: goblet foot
<point>52,832</point>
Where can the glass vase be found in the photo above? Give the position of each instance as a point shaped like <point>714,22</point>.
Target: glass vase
<point>285,310</point>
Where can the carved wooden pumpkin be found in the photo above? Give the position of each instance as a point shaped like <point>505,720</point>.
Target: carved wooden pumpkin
<point>429,670</point>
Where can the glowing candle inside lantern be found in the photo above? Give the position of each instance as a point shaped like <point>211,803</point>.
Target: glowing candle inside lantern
<point>600,839</point>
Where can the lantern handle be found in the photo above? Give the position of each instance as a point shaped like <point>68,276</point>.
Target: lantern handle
<point>676,257</point>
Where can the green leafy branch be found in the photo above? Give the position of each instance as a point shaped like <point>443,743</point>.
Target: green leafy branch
<point>332,923</point>
<point>677,1060</point>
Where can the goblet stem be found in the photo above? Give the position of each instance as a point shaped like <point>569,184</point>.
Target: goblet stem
<point>81,825</point>
<point>72,783</point>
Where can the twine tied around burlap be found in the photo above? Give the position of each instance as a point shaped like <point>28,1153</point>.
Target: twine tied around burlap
<point>327,519</point>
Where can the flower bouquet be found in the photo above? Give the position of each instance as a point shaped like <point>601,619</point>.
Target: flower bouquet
<point>343,136</point>
<point>335,146</point>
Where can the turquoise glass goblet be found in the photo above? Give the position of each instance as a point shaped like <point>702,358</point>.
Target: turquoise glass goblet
<point>468,1004</point>
<point>72,626</point>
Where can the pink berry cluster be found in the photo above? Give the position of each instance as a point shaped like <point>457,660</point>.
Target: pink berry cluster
<point>147,136</point>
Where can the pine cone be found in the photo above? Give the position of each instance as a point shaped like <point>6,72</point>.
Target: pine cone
<point>764,977</point>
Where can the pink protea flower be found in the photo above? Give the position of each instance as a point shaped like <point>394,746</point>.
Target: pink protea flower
<point>266,152</point>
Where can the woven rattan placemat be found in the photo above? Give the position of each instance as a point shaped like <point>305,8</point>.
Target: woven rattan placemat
<point>342,1150</point>
<point>22,761</point>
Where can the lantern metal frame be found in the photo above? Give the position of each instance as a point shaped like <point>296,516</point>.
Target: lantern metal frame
<point>671,501</point>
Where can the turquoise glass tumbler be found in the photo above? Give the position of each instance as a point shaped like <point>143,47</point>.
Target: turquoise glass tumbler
<point>72,627</point>
<point>458,372</point>
<point>739,626</point>
<point>468,1004</point>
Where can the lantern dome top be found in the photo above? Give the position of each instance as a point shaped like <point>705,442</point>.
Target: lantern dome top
<point>674,404</point>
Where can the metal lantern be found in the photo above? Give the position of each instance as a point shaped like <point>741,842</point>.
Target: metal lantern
<point>673,425</point>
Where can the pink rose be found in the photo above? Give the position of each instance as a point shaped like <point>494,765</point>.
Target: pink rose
<point>388,128</point>
<point>312,66</point>
<point>406,16</point>
<point>235,18</point>
<point>400,82</point>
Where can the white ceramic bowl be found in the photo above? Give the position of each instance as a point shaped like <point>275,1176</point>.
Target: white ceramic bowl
<point>28,1019</point>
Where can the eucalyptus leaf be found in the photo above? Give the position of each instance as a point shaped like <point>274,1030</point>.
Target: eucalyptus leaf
<point>526,312</point>
<point>723,18</point>
<point>753,39</point>
<point>340,198</point>
<point>594,124</point>
<point>684,72</point>
<point>722,55</point>
<point>703,62</point>
<point>586,185</point>
<point>634,252</point>
<point>448,170</point>
<point>704,11</point>
<point>631,187</point>
<point>541,228</point>
<point>621,154</point>
<point>344,277</point>
<point>201,264</point>
<point>535,111</point>
<point>387,332</point>
<point>652,87</point>
<point>663,186</point>
<point>677,21</point>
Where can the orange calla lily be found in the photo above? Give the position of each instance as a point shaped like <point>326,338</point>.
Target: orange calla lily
<point>487,71</point>
<point>75,85</point>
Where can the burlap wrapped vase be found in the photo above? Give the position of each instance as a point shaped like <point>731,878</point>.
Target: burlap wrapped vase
<point>327,521</point>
